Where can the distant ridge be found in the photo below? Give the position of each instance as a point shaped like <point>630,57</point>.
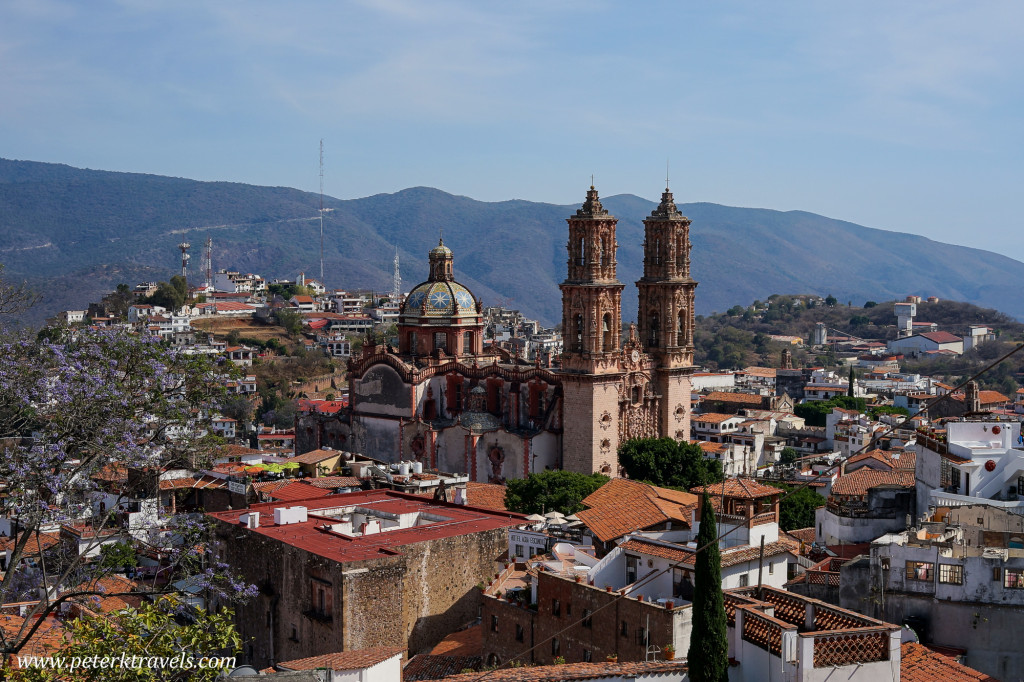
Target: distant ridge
<point>77,233</point>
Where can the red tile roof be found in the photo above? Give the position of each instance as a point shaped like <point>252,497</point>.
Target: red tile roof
<point>857,483</point>
<point>714,417</point>
<point>486,495</point>
<point>745,488</point>
<point>468,642</point>
<point>310,537</point>
<point>903,460</point>
<point>992,398</point>
<point>343,660</point>
<point>315,456</point>
<point>918,663</point>
<point>940,337</point>
<point>294,491</point>
<point>429,667</point>
<point>621,506</point>
<point>577,671</point>
<point>741,398</point>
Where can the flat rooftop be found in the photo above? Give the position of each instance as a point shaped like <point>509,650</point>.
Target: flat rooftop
<point>325,533</point>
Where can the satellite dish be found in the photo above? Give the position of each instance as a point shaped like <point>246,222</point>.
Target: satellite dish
<point>244,671</point>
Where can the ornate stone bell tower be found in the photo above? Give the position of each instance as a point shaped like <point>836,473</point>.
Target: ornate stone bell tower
<point>665,313</point>
<point>592,329</point>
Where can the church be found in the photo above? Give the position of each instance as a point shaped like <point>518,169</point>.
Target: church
<point>442,400</point>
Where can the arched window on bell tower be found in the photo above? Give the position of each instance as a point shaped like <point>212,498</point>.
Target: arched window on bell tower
<point>656,256</point>
<point>652,330</point>
<point>606,333</point>
<point>681,330</point>
<point>582,258</point>
<point>577,332</point>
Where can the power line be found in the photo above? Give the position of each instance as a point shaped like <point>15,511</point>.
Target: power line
<point>794,490</point>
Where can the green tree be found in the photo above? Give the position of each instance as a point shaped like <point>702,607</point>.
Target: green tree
<point>664,462</point>
<point>561,491</point>
<point>708,658</point>
<point>860,321</point>
<point>851,382</point>
<point>831,301</point>
<point>870,304</point>
<point>797,507</point>
<point>788,455</point>
<point>118,556</point>
<point>815,412</point>
<point>290,319</point>
<point>152,630</point>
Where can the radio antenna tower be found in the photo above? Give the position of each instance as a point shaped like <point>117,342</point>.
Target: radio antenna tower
<point>184,246</point>
<point>396,286</point>
<point>207,264</point>
<point>322,212</point>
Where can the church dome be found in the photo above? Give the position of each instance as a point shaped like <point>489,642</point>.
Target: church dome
<point>440,297</point>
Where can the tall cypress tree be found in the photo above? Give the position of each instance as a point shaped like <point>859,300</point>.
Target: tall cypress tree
<point>849,389</point>
<point>708,658</point>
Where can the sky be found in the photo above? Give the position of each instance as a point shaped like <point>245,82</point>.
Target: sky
<point>901,116</point>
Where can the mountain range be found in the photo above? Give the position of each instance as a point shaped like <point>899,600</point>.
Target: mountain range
<point>75,234</point>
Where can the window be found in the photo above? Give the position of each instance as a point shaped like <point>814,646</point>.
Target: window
<point>494,623</point>
<point>412,342</point>
<point>295,634</point>
<point>519,632</point>
<point>952,574</point>
<point>771,568</point>
<point>920,570</point>
<point>954,478</point>
<point>587,658</point>
<point>1013,579</point>
<point>578,329</point>
<point>321,598</point>
<point>568,608</point>
<point>997,574</point>
<point>582,257</point>
<point>653,328</point>
<point>556,608</point>
<point>588,622</point>
<point>440,340</point>
<point>520,551</point>
<point>556,647</point>
<point>624,629</point>
<point>885,563</point>
<point>744,580</point>
<point>606,332</point>
<point>467,342</point>
<point>641,636</point>
<point>632,565</point>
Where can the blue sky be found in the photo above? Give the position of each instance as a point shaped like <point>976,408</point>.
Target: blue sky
<point>902,116</point>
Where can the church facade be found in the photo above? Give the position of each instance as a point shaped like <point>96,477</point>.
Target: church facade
<point>442,400</point>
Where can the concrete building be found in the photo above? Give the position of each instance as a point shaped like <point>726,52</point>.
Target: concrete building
<point>360,570</point>
<point>865,504</point>
<point>921,344</point>
<point>955,583</point>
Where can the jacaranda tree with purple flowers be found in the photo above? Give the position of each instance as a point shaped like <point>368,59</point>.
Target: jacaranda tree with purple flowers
<point>79,410</point>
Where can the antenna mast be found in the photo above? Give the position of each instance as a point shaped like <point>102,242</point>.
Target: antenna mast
<point>396,286</point>
<point>207,264</point>
<point>322,212</point>
<point>184,246</point>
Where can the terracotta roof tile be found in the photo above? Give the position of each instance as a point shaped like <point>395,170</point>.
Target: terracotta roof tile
<point>992,397</point>
<point>940,337</point>
<point>315,456</point>
<point>857,483</point>
<point>742,398</point>
<point>428,667</point>
<point>468,642</point>
<point>577,671</point>
<point>486,495</point>
<point>745,488</point>
<point>918,663</point>
<point>714,417</point>
<point>803,534</point>
<point>622,506</point>
<point>296,490</point>
<point>343,660</point>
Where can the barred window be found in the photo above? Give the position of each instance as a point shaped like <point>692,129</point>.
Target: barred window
<point>1013,580</point>
<point>952,574</point>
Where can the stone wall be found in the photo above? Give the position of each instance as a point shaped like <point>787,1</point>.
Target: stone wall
<point>413,598</point>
